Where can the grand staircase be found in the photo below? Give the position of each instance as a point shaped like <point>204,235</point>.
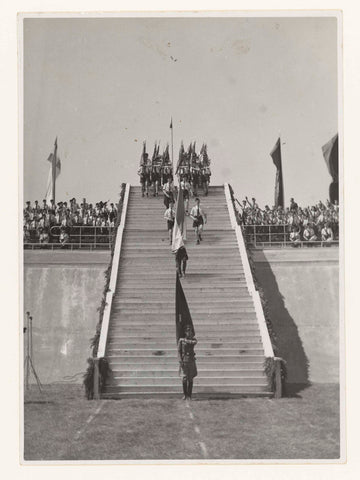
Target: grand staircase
<point>141,347</point>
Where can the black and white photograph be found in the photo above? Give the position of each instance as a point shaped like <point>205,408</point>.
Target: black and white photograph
<point>181,238</point>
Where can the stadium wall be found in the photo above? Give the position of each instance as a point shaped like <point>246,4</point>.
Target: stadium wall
<point>62,291</point>
<point>302,289</point>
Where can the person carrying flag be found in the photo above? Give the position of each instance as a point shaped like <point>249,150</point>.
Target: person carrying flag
<point>186,356</point>
<point>199,219</point>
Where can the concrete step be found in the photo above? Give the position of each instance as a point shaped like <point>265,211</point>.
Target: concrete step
<point>173,360</point>
<point>172,352</point>
<point>208,389</point>
<point>178,395</point>
<point>173,380</point>
<point>166,371</point>
<point>195,301</point>
<point>158,344</point>
<point>143,318</point>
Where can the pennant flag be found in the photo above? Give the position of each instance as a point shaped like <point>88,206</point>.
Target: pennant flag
<point>154,153</point>
<point>331,155</point>
<point>279,186</point>
<point>179,230</point>
<point>54,163</point>
<point>165,155</point>
<point>182,313</point>
<point>181,158</point>
<point>143,155</point>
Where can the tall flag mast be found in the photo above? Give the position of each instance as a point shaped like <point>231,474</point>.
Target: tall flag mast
<point>279,185</point>
<point>172,147</point>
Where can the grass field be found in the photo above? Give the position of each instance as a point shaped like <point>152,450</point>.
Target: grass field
<point>61,424</point>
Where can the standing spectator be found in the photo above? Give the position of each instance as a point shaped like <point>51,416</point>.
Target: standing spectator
<point>293,205</point>
<point>169,215</point>
<point>199,219</point>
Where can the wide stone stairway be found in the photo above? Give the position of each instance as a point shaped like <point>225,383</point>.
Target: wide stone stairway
<point>141,347</point>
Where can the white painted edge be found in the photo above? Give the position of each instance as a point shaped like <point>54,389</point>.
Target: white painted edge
<point>113,277</point>
<point>268,350</point>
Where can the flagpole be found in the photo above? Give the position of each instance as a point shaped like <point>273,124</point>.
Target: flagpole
<point>54,169</point>
<point>172,148</point>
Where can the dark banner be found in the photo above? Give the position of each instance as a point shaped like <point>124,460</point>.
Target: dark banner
<point>279,185</point>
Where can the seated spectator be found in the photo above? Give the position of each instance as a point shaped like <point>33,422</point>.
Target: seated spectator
<point>27,237</point>
<point>327,233</point>
<point>295,236</point>
<point>309,234</point>
<point>44,236</point>
<point>64,238</point>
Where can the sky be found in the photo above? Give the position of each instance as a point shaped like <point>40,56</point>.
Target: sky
<point>103,86</point>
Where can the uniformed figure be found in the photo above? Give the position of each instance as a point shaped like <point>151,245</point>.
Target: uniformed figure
<point>181,258</point>
<point>187,362</point>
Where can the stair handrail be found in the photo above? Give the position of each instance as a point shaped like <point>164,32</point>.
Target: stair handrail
<point>113,277</point>
<point>265,337</point>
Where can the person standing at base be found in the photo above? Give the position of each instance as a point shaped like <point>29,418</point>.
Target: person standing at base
<point>199,219</point>
<point>169,215</point>
<point>186,355</point>
<point>181,258</point>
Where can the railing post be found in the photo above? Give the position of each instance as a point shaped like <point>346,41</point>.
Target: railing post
<point>95,237</point>
<point>96,379</point>
<point>80,236</point>
<point>278,384</point>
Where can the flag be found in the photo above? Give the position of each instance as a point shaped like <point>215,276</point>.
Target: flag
<point>181,158</point>
<point>331,155</point>
<point>182,312</point>
<point>154,153</point>
<point>279,186</point>
<point>143,155</point>
<point>53,158</point>
<point>179,230</point>
<point>166,156</point>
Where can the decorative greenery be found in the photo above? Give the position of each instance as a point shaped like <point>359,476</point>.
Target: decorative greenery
<point>270,371</point>
<point>265,307</point>
<point>104,370</point>
<point>94,342</point>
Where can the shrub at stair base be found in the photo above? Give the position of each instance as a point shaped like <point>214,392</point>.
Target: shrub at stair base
<point>270,371</point>
<point>104,370</point>
<point>269,363</point>
<point>94,342</point>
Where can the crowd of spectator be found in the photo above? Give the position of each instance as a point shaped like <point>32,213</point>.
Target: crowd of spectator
<point>55,223</point>
<point>318,222</point>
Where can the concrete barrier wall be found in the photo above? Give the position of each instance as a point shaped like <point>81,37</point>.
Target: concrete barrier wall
<point>62,291</point>
<point>302,288</point>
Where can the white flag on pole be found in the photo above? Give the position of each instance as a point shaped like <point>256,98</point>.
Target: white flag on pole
<point>49,189</point>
